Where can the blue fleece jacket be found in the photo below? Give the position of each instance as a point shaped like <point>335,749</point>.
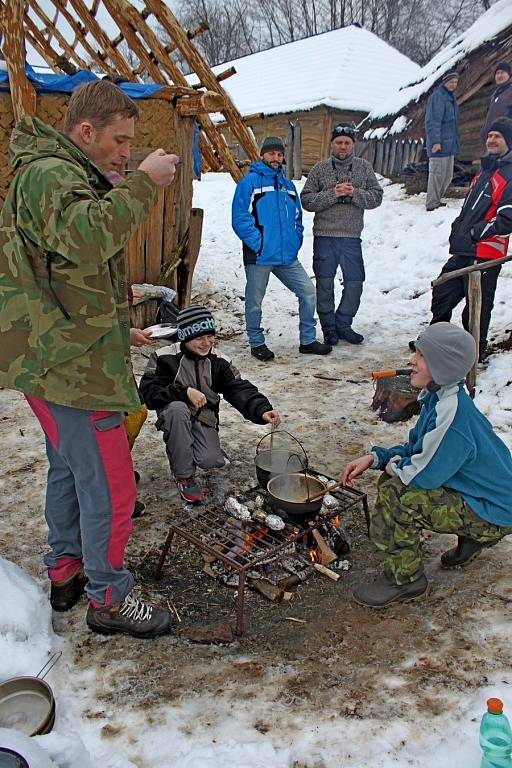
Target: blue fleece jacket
<point>454,445</point>
<point>442,123</point>
<point>267,217</point>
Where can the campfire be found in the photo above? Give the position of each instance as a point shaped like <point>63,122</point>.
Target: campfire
<point>250,542</point>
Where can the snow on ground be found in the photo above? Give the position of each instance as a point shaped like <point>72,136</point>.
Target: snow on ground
<point>435,725</point>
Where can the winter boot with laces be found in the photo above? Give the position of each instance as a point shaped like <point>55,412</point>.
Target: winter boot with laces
<point>131,617</point>
<point>262,352</point>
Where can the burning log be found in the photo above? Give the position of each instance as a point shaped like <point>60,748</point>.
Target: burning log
<point>322,552</point>
<point>268,590</point>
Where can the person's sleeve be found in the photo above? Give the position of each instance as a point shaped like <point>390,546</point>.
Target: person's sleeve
<point>434,118</point>
<point>242,219</point>
<point>299,227</point>
<point>66,216</point>
<point>501,224</point>
<point>313,197</point>
<point>242,394</point>
<point>155,386</point>
<point>371,195</point>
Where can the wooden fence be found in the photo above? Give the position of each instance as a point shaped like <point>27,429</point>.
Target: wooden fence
<point>390,156</point>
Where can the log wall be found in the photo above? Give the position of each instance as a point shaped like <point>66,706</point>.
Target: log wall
<point>316,125</point>
<point>159,241</point>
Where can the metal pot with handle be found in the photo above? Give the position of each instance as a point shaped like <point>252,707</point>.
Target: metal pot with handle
<point>27,703</point>
<point>299,495</point>
<point>277,458</point>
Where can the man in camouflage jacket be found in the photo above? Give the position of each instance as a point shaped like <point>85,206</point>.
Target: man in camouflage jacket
<point>66,337</point>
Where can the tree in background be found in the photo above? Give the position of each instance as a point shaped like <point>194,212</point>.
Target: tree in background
<point>418,28</point>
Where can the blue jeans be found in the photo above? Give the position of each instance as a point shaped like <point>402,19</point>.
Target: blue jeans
<point>329,253</point>
<point>295,278</point>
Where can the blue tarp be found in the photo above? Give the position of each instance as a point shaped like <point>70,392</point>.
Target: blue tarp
<point>46,83</point>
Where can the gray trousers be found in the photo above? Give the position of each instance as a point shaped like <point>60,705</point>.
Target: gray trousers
<point>189,444</point>
<point>440,173</point>
<point>90,495</point>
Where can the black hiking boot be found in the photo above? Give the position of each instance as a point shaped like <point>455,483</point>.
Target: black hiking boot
<point>262,352</point>
<point>66,594</point>
<point>139,509</point>
<point>348,334</point>
<point>315,348</point>
<point>330,338</point>
<point>131,617</point>
<point>383,592</point>
<point>461,555</point>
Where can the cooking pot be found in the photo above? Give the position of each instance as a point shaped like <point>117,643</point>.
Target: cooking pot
<point>27,703</point>
<point>292,494</point>
<point>278,459</point>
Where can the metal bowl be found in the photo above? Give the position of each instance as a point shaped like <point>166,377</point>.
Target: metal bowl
<point>291,493</point>
<point>27,704</point>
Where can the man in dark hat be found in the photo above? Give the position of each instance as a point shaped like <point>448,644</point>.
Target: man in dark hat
<point>442,138</point>
<point>481,231</point>
<point>267,217</point>
<point>501,99</point>
<point>339,190</point>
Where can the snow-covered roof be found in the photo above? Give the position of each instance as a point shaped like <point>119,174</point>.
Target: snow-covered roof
<point>485,28</point>
<point>348,68</point>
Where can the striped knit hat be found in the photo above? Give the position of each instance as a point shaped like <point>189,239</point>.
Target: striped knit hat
<point>194,321</point>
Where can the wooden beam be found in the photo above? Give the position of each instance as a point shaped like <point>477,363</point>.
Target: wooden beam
<point>209,155</point>
<point>205,75</point>
<point>43,52</point>
<point>129,31</point>
<point>199,103</point>
<point>102,39</point>
<point>66,47</point>
<point>221,76</point>
<point>80,33</point>
<point>23,95</point>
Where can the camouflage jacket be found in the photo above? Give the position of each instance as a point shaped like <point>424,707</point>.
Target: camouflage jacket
<point>64,319</point>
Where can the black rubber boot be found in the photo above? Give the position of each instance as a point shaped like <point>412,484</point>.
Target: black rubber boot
<point>461,555</point>
<point>383,592</point>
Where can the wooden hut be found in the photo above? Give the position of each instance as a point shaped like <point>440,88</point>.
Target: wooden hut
<point>395,129</point>
<point>80,35</point>
<point>305,87</point>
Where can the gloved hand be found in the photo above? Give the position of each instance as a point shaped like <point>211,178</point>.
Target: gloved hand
<point>478,230</point>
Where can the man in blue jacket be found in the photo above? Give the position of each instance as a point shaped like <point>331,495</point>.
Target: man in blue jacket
<point>442,129</point>
<point>453,475</point>
<point>267,217</point>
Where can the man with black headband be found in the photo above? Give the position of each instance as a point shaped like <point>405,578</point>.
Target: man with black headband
<point>339,190</point>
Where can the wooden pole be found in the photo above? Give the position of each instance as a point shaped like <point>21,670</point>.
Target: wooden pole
<point>475,306</point>
<point>204,73</point>
<point>297,150</point>
<point>23,95</point>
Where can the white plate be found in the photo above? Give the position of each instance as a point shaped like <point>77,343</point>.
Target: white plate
<point>162,331</point>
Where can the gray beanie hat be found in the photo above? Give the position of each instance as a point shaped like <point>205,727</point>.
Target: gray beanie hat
<point>271,143</point>
<point>449,350</point>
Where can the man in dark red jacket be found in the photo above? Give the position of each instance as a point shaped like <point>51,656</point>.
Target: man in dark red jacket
<point>481,231</point>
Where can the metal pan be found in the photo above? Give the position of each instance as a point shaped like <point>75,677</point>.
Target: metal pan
<point>163,331</point>
<point>292,493</point>
<point>27,703</point>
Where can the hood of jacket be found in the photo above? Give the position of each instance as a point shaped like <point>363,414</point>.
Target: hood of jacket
<point>491,162</point>
<point>260,167</point>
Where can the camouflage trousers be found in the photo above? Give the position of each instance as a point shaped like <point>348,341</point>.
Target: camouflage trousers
<point>400,514</point>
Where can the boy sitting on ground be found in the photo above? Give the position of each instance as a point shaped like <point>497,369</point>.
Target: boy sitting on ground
<point>182,382</point>
<point>454,475</point>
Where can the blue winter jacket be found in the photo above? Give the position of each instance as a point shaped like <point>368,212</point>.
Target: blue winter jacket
<point>442,123</point>
<point>267,217</point>
<point>454,445</point>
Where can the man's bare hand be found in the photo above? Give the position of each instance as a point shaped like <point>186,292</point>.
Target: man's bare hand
<point>197,399</point>
<point>138,337</point>
<point>344,189</point>
<point>356,468</point>
<point>436,148</point>
<point>160,167</point>
<point>272,417</point>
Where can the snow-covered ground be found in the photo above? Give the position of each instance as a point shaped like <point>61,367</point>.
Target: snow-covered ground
<point>404,249</point>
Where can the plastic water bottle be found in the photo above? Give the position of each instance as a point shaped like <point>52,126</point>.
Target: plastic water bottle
<point>495,737</point>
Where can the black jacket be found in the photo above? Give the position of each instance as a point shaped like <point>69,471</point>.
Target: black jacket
<point>482,228</point>
<point>171,370</point>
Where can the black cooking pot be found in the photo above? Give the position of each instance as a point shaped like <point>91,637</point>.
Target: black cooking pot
<point>291,493</point>
<point>278,460</point>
